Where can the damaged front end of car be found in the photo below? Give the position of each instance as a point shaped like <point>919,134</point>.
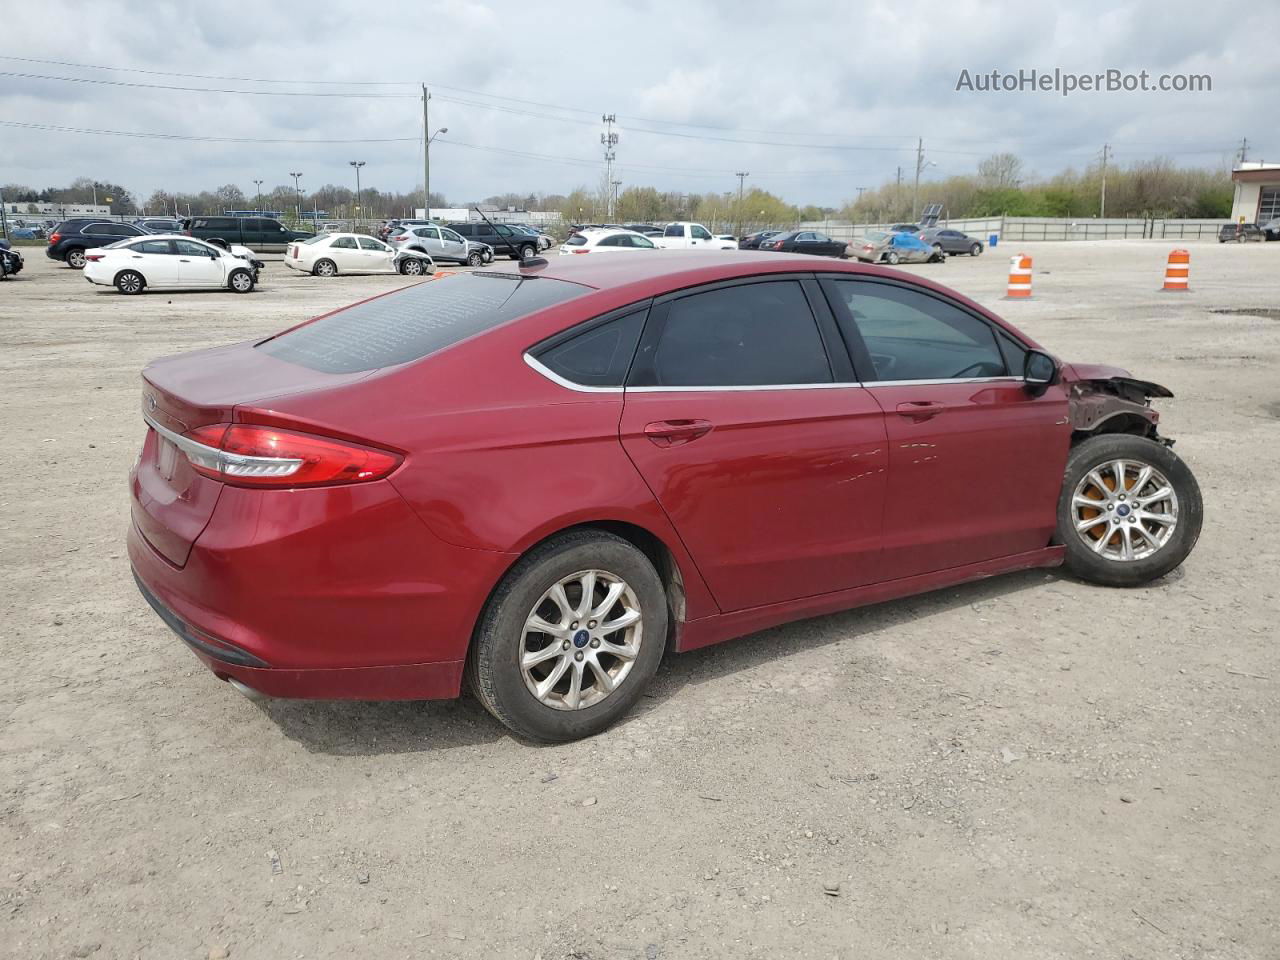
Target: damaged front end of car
<point>1108,400</point>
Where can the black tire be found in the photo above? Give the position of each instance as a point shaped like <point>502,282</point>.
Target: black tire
<point>493,669</point>
<point>975,250</point>
<point>413,267</point>
<point>130,282</point>
<point>75,258</point>
<point>1087,564</point>
<point>528,250</point>
<point>241,281</point>
<point>475,258</point>
<point>324,268</point>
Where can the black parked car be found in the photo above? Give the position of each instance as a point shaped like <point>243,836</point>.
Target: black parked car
<point>71,238</point>
<point>752,241</point>
<point>260,234</point>
<point>1240,232</point>
<point>805,241</point>
<point>10,261</point>
<point>504,239</point>
<point>951,241</point>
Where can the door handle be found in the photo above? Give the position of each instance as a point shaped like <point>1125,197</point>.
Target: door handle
<point>670,433</point>
<point>920,409</point>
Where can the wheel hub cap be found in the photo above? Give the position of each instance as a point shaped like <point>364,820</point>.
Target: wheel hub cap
<point>1124,510</point>
<point>581,640</point>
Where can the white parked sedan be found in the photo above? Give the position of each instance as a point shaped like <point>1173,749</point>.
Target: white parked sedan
<point>170,261</point>
<point>606,240</point>
<point>330,254</point>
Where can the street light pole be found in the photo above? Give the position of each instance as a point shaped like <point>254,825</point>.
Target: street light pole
<point>742,178</point>
<point>297,190</point>
<point>357,164</point>
<point>426,152</point>
<point>258,183</point>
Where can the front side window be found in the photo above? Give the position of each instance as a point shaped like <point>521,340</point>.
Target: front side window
<point>913,336</point>
<point>644,243</point>
<point>599,357</point>
<point>368,243</point>
<point>747,335</point>
<point>700,233</point>
<point>451,236</point>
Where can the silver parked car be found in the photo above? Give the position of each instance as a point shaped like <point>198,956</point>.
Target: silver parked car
<point>880,246</point>
<point>951,241</point>
<point>442,244</point>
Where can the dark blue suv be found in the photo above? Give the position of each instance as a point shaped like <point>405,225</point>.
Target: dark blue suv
<point>71,238</point>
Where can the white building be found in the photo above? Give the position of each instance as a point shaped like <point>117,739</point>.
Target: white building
<point>1257,192</point>
<point>32,208</point>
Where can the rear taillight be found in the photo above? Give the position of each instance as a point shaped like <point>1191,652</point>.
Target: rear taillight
<point>54,238</point>
<point>248,455</point>
<point>93,257</point>
<point>581,249</point>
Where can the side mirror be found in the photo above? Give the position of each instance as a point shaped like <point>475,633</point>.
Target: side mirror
<point>1040,372</point>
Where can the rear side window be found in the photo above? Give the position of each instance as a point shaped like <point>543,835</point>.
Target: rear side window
<point>754,334</point>
<point>599,357</point>
<point>164,247</point>
<point>416,321</point>
<point>673,230</point>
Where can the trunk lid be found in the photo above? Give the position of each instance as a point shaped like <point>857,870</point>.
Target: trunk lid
<point>172,503</point>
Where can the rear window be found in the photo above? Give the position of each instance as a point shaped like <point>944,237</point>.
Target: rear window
<point>416,321</point>
<point>577,240</point>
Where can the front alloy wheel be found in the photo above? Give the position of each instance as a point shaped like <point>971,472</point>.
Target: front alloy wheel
<point>1130,510</point>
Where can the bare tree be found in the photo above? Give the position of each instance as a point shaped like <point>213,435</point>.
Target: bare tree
<point>1001,170</point>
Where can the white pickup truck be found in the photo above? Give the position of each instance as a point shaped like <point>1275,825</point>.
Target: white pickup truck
<point>691,236</point>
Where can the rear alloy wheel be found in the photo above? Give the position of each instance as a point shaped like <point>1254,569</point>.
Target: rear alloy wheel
<point>475,258</point>
<point>570,638</point>
<point>975,250</point>
<point>75,258</point>
<point>1130,510</point>
<point>325,268</point>
<point>129,282</point>
<point>241,281</point>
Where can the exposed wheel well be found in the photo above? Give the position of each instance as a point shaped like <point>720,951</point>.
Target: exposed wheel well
<point>1132,423</point>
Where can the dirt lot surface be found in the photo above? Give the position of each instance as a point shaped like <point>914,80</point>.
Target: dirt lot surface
<point>1026,767</point>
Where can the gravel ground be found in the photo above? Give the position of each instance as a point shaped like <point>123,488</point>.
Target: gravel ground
<point>1024,767</point>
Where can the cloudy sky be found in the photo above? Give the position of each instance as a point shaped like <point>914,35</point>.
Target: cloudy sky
<point>813,99</point>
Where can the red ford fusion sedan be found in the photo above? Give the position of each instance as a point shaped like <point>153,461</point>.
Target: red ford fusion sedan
<point>541,481</point>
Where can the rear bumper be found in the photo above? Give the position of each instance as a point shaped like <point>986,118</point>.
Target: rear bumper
<point>413,681</point>
<point>330,593</point>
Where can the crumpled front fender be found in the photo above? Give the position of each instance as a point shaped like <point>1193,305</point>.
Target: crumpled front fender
<point>1107,400</point>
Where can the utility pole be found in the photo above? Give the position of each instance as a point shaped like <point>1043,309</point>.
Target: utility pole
<point>616,185</point>
<point>357,164</point>
<point>609,140</point>
<point>298,190</point>
<point>1102,204</point>
<point>258,183</point>
<point>1244,150</point>
<point>742,178</point>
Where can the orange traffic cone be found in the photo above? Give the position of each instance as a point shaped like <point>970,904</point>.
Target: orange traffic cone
<point>1019,278</point>
<point>1177,275</point>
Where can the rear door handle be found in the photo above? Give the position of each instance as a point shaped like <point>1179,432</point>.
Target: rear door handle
<point>920,409</point>
<point>670,433</point>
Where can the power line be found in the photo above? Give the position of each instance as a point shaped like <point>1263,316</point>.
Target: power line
<point>167,86</point>
<point>194,137</point>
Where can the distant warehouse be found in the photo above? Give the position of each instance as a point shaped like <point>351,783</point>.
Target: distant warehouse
<point>1257,192</point>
